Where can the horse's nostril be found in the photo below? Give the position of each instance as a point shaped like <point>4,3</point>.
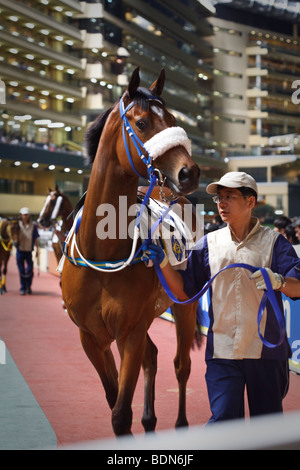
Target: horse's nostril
<point>188,178</point>
<point>184,175</point>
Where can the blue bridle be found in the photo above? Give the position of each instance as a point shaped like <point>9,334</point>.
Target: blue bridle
<point>139,145</point>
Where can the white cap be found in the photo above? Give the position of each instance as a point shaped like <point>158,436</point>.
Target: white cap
<point>233,179</point>
<point>24,211</point>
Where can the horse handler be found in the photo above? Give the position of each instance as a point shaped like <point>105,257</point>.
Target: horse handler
<point>236,355</point>
<point>28,239</point>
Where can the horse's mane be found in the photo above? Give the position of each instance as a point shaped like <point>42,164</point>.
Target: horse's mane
<point>93,133</point>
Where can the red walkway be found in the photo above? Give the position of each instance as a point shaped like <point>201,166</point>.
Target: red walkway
<point>45,346</point>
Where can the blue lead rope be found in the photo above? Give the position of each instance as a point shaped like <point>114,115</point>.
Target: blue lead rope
<point>268,295</point>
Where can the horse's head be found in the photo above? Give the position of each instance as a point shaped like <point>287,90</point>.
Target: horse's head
<point>156,139</point>
<point>14,231</point>
<point>51,209</point>
<point>148,140</point>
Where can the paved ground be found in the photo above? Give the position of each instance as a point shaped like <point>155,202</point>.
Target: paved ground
<point>51,394</point>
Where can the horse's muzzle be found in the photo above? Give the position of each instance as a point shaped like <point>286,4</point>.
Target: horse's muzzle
<point>45,223</point>
<point>187,180</point>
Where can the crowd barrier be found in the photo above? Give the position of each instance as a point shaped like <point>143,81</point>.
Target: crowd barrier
<point>281,432</point>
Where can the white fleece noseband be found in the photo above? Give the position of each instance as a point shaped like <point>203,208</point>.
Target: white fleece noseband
<point>167,139</point>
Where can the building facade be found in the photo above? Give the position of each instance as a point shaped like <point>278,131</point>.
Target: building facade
<point>63,62</point>
<point>233,83</point>
<point>256,119</point>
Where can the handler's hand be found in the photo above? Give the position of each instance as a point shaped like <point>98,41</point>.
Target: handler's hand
<point>155,252</point>
<point>275,278</point>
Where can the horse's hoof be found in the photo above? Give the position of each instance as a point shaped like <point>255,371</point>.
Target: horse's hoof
<point>181,424</point>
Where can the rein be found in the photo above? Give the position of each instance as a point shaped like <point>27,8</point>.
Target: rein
<point>268,295</point>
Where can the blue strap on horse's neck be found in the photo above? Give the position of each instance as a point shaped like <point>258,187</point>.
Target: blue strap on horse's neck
<point>268,295</point>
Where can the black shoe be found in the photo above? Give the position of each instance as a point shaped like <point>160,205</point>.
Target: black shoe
<point>28,290</point>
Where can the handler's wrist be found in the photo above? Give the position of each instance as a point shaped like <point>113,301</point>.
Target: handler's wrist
<point>283,282</point>
<point>164,262</point>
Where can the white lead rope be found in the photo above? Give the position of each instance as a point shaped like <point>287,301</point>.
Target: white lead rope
<point>109,267</point>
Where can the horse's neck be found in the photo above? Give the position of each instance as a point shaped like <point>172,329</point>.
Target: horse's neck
<point>107,184</point>
<point>67,221</point>
<point>3,229</point>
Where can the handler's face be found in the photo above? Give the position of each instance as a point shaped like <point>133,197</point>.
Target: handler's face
<point>25,218</point>
<point>232,205</point>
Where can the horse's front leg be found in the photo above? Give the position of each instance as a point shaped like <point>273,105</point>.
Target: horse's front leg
<point>3,277</point>
<point>150,369</point>
<point>131,348</point>
<point>104,363</point>
<point>185,320</point>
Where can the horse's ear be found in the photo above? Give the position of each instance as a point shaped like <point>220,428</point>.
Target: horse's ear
<point>134,82</point>
<point>158,86</point>
<point>57,188</point>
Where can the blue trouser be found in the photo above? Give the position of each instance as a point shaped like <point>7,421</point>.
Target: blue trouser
<point>25,266</point>
<point>266,382</point>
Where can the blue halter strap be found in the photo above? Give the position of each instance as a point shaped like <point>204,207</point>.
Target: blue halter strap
<point>136,141</point>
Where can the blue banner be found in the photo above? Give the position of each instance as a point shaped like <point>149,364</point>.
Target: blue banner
<point>292,321</point>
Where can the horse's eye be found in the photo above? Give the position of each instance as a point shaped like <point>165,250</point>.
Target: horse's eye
<point>142,124</point>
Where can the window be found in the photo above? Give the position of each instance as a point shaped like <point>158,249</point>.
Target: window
<point>5,185</point>
<point>23,187</point>
<point>259,174</point>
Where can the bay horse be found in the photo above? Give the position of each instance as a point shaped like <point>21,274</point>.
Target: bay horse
<point>9,236</point>
<point>120,304</point>
<point>56,205</point>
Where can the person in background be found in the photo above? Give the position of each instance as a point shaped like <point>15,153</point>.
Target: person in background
<point>236,357</point>
<point>281,223</point>
<point>28,239</point>
<point>215,224</point>
<point>290,234</point>
<point>296,225</point>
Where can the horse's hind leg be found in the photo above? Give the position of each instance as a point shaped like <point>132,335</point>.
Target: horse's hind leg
<point>150,368</point>
<point>104,363</point>
<point>185,320</point>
